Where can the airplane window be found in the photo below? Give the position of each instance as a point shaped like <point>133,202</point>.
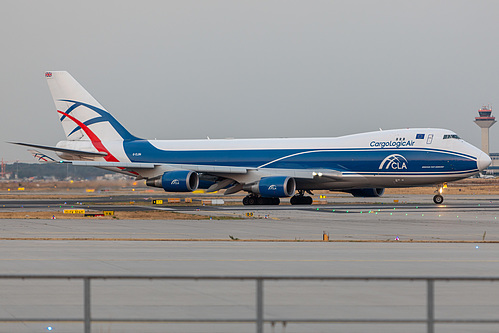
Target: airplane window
<point>451,136</point>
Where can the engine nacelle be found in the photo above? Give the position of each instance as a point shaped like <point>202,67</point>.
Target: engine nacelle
<point>176,181</point>
<point>367,192</point>
<point>275,187</point>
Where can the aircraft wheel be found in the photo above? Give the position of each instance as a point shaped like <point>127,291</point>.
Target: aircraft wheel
<point>438,199</point>
<point>251,200</point>
<point>301,200</point>
<point>268,201</point>
<point>257,200</point>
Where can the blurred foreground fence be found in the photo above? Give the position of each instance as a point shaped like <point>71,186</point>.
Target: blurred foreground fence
<point>257,317</point>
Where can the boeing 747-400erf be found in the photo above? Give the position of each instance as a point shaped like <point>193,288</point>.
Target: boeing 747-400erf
<point>268,169</point>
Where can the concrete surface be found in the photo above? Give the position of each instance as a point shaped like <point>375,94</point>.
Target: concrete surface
<point>236,299</point>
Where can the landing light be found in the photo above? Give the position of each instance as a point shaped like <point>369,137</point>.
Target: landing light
<point>317,174</point>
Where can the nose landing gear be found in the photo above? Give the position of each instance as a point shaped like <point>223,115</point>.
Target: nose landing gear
<point>438,198</point>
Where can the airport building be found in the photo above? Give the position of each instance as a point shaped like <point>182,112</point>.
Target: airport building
<point>485,120</point>
<point>494,167</point>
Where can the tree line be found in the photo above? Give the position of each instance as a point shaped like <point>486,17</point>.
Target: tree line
<point>58,171</point>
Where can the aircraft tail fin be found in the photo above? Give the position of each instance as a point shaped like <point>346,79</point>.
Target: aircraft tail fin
<point>81,115</point>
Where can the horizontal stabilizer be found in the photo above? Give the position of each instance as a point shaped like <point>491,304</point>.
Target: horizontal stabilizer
<point>41,157</point>
<point>63,150</point>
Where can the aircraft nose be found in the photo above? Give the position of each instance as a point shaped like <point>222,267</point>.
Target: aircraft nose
<point>483,161</point>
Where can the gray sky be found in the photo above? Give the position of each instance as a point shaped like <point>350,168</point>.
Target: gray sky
<point>191,69</point>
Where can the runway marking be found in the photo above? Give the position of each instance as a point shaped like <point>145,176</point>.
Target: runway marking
<point>158,208</point>
<point>268,260</point>
<point>247,240</point>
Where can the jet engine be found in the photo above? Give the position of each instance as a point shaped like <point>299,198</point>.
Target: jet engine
<point>274,187</point>
<point>176,181</point>
<point>367,192</point>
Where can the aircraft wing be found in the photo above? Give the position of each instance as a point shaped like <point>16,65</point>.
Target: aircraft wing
<point>126,165</point>
<point>216,170</point>
<point>151,170</point>
<point>223,175</point>
<point>229,177</point>
<point>166,167</point>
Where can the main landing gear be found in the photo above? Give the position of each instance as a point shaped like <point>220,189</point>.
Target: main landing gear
<point>301,199</point>
<point>258,200</point>
<point>438,198</point>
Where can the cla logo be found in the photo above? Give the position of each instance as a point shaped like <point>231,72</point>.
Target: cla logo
<point>395,162</point>
<point>175,182</point>
<point>272,188</point>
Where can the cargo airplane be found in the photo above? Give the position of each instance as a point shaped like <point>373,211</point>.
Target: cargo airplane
<point>267,169</point>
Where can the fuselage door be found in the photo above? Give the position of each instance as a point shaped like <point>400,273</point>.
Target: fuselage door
<point>430,139</point>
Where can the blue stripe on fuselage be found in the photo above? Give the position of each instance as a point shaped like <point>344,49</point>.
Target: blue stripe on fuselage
<point>363,160</point>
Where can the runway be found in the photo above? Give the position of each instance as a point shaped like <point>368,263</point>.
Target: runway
<point>363,244</point>
<point>473,218</point>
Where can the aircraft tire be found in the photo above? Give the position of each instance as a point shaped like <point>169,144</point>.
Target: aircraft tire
<point>301,200</point>
<point>268,201</point>
<point>438,199</point>
<point>250,200</point>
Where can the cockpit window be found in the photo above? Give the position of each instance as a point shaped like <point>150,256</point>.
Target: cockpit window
<point>451,136</point>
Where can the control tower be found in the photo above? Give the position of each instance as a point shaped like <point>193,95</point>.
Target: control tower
<point>485,121</point>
